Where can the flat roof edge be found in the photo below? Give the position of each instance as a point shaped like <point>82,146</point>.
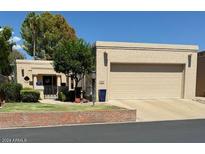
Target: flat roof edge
<point>32,61</point>
<point>107,44</point>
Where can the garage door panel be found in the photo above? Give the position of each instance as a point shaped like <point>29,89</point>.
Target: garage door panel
<point>145,68</point>
<point>134,81</point>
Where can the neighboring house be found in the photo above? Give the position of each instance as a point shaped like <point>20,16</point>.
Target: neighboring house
<point>145,71</point>
<point>200,84</point>
<point>40,75</point>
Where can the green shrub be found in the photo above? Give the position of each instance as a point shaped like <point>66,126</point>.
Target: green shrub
<point>2,94</point>
<point>67,95</point>
<point>11,91</point>
<point>30,95</point>
<point>27,88</point>
<point>88,97</point>
<point>61,96</point>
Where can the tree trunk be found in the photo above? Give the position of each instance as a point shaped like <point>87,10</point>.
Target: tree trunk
<point>34,45</point>
<point>67,81</point>
<point>77,98</point>
<point>76,87</point>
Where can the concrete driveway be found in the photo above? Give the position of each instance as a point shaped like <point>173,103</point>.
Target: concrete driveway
<point>164,109</point>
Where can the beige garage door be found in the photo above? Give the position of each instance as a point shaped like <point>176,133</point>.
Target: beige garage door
<point>142,81</point>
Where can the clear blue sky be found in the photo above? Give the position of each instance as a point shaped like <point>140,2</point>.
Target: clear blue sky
<point>147,27</point>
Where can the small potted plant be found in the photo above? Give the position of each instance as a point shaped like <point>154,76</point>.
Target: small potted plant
<point>77,100</point>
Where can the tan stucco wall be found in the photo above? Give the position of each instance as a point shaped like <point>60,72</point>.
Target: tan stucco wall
<point>37,68</point>
<point>200,86</point>
<point>120,52</point>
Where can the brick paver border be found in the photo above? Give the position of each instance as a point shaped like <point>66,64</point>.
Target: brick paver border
<point>32,119</point>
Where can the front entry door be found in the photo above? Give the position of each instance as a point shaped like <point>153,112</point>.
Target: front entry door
<point>50,86</point>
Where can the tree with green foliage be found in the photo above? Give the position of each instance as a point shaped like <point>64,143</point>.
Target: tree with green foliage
<point>74,59</point>
<point>15,54</point>
<point>5,50</point>
<point>42,32</point>
<point>30,32</point>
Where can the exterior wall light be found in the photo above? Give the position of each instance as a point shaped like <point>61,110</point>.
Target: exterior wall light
<point>105,55</point>
<point>189,60</point>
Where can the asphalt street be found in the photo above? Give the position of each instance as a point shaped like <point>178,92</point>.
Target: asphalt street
<point>188,131</point>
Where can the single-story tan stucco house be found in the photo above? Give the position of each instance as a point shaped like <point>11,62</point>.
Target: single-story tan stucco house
<point>144,71</point>
<point>200,84</point>
<point>40,75</point>
<point>125,71</point>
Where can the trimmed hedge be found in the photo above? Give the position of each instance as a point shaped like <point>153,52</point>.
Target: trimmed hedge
<point>61,96</point>
<point>27,88</point>
<point>30,95</point>
<point>65,95</point>
<point>11,91</point>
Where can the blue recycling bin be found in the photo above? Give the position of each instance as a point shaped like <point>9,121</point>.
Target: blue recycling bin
<point>102,95</point>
